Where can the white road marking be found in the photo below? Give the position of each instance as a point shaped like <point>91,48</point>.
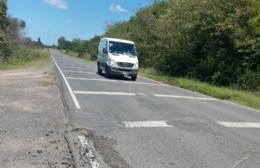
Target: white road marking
<point>89,153</point>
<point>105,93</point>
<point>141,94</point>
<point>145,124</point>
<point>79,72</point>
<point>145,83</point>
<point>240,124</point>
<point>75,100</point>
<point>240,161</point>
<point>184,97</point>
<point>92,79</point>
<point>109,80</point>
<point>69,65</point>
<point>75,67</point>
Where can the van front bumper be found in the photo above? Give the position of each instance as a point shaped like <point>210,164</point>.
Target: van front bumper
<point>122,71</point>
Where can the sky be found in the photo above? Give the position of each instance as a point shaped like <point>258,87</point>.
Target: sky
<point>73,19</point>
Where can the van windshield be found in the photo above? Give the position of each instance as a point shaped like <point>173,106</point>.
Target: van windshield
<point>122,48</point>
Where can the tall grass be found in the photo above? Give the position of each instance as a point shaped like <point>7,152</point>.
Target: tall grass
<point>246,98</point>
<point>26,57</point>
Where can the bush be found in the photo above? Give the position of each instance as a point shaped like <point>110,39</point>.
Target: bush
<point>250,80</point>
<point>23,55</point>
<point>214,41</point>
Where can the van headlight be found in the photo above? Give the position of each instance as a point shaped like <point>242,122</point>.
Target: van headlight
<point>136,65</point>
<point>112,62</point>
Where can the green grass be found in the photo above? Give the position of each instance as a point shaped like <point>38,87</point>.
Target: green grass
<point>49,80</point>
<point>29,58</point>
<point>47,83</point>
<point>70,53</point>
<point>246,98</point>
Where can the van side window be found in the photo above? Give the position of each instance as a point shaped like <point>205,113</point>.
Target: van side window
<point>102,45</point>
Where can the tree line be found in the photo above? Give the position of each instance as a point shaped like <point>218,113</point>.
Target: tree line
<point>84,48</point>
<point>216,41</point>
<point>14,45</point>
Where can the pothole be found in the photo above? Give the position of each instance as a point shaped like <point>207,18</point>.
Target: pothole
<point>90,149</point>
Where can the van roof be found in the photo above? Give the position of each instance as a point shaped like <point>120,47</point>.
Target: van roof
<point>117,40</point>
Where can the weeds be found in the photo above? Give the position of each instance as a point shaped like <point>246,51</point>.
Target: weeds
<point>247,98</point>
<point>26,57</point>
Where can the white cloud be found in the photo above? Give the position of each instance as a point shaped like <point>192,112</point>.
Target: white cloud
<point>60,4</point>
<point>68,20</point>
<point>117,8</point>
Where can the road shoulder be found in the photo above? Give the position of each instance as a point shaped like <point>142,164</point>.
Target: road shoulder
<point>32,120</point>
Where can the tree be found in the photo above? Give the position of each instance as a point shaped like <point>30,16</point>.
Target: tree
<point>92,47</point>
<point>39,42</point>
<point>63,44</point>
<point>14,46</point>
<point>211,40</point>
<point>4,48</point>
<point>3,12</point>
<point>79,46</point>
<point>15,28</point>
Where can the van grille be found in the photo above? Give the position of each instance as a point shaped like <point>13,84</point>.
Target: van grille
<point>125,64</point>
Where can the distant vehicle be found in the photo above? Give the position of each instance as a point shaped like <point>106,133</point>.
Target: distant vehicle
<point>117,57</point>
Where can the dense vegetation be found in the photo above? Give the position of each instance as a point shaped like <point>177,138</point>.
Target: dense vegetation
<point>14,46</point>
<point>84,48</point>
<point>217,41</point>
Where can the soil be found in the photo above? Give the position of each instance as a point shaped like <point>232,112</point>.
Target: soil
<point>32,121</point>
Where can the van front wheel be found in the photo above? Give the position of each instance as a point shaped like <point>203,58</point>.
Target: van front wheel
<point>107,73</point>
<point>99,70</point>
<point>133,78</point>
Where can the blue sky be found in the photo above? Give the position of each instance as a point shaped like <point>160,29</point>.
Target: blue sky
<point>52,19</point>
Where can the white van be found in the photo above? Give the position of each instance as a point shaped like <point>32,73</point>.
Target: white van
<point>117,57</point>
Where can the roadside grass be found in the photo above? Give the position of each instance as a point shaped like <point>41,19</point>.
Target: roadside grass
<point>35,58</point>
<point>246,98</point>
<point>49,80</point>
<point>70,53</point>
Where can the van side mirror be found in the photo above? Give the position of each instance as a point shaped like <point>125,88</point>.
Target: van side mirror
<point>105,51</point>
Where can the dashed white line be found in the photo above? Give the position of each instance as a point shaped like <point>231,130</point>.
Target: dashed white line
<point>79,72</point>
<point>184,97</point>
<point>75,100</point>
<point>89,152</point>
<point>141,94</point>
<point>75,67</point>
<point>105,93</point>
<point>145,83</point>
<point>107,80</point>
<point>91,79</point>
<point>67,65</point>
<point>240,124</point>
<point>240,161</point>
<point>145,124</point>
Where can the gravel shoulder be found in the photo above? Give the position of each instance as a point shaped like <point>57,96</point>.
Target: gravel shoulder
<point>32,120</point>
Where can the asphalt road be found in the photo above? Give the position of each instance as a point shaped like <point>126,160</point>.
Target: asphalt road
<point>147,124</point>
